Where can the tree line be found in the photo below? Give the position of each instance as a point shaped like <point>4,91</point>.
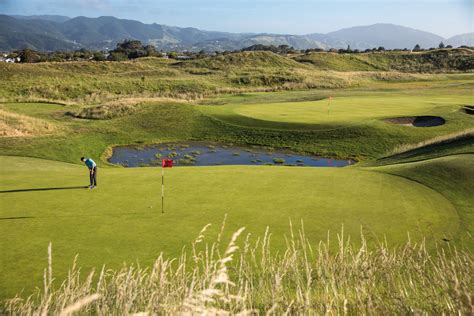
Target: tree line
<point>132,49</point>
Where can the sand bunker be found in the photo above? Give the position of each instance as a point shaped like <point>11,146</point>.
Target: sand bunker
<point>468,109</point>
<point>417,121</point>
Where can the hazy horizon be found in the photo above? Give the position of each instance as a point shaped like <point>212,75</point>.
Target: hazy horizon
<point>266,16</point>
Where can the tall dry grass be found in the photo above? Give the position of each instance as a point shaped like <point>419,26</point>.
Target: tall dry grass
<point>117,108</point>
<point>18,125</point>
<point>246,277</point>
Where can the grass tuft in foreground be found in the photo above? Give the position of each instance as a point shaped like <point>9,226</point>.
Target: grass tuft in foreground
<point>250,278</point>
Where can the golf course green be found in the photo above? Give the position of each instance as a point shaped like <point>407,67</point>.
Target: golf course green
<point>121,221</point>
<point>339,112</point>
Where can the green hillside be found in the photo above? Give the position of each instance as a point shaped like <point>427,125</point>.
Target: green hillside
<point>94,82</point>
<point>449,60</point>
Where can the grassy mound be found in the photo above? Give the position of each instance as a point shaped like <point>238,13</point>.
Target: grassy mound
<point>246,60</point>
<point>448,60</point>
<point>121,220</point>
<point>452,177</point>
<point>95,82</point>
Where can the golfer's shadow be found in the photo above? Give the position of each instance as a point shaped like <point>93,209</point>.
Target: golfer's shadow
<point>43,189</point>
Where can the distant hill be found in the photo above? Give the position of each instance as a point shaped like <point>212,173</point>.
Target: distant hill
<point>51,18</point>
<point>37,34</point>
<point>387,35</point>
<point>462,39</point>
<point>51,32</point>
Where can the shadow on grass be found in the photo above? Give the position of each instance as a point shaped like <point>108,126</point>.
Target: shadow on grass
<point>16,217</point>
<point>43,189</point>
<point>71,216</point>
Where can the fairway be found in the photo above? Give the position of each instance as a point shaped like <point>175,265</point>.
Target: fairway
<point>336,113</point>
<point>121,221</point>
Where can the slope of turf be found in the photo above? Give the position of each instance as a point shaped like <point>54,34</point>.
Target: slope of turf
<point>452,176</point>
<point>120,221</point>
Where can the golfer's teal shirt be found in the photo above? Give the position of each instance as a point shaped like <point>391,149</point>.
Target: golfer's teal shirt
<point>90,163</point>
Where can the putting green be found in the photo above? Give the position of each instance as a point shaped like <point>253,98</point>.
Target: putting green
<point>121,221</point>
<point>339,112</point>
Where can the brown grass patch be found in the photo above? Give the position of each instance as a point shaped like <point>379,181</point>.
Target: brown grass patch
<point>17,125</point>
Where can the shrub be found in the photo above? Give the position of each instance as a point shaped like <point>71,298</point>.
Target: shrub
<point>279,160</point>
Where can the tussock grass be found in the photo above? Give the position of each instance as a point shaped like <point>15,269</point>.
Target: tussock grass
<point>18,125</point>
<point>115,108</point>
<point>248,278</point>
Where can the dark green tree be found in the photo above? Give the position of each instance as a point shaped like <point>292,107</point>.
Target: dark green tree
<point>29,56</point>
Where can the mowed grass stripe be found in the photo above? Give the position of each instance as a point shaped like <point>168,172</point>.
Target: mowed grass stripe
<point>121,220</point>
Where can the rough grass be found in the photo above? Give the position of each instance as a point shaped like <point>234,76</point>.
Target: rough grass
<point>250,278</point>
<point>95,82</point>
<point>449,60</point>
<point>17,125</point>
<point>115,109</point>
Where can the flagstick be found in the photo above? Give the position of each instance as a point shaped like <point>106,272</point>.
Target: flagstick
<point>162,189</point>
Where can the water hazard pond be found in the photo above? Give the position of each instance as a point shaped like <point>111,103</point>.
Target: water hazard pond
<point>207,154</point>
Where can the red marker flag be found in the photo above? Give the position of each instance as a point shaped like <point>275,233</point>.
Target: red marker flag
<point>167,163</point>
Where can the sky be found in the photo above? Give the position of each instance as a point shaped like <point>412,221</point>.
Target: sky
<point>442,17</point>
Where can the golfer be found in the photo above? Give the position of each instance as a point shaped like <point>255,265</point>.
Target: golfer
<point>92,170</point>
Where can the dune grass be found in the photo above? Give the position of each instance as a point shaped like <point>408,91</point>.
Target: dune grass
<point>219,277</point>
<point>94,82</point>
<point>428,61</point>
<point>18,125</point>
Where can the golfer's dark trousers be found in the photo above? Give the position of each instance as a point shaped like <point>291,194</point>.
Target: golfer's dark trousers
<point>93,176</point>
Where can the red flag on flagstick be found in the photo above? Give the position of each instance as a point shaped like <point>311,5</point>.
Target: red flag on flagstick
<point>167,163</point>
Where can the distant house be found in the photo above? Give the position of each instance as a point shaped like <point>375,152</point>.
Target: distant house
<point>10,60</point>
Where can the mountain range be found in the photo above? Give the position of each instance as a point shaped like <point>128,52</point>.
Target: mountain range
<point>53,32</point>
